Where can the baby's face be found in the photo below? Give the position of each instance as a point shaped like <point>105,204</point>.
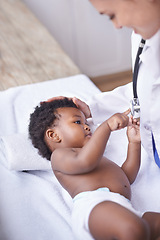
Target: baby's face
<point>141,16</point>
<point>72,127</point>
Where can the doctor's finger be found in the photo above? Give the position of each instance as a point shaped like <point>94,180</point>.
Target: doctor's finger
<point>53,99</point>
<point>82,106</point>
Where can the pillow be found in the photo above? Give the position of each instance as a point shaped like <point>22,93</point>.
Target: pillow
<point>19,154</point>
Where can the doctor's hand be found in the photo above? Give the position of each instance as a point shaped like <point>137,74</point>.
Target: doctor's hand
<point>83,107</point>
<point>79,103</point>
<point>53,99</point>
<point>133,131</point>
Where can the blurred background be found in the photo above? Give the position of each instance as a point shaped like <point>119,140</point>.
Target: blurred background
<point>99,50</point>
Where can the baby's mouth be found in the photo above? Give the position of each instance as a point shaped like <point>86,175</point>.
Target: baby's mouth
<point>89,135</point>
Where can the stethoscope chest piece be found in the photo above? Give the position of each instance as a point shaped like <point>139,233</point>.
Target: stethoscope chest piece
<point>135,108</point>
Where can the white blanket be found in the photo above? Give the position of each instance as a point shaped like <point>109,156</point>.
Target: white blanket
<point>33,205</point>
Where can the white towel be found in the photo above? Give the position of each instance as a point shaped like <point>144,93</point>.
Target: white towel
<point>21,155</point>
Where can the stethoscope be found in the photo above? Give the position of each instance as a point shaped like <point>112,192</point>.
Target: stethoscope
<point>135,106</point>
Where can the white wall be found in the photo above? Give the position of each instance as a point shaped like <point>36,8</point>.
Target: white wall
<point>86,36</point>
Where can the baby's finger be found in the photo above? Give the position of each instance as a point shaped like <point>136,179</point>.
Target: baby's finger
<point>136,121</point>
<point>130,122</point>
<point>127,111</point>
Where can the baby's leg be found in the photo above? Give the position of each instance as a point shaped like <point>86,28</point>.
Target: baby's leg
<point>153,220</point>
<point>111,221</point>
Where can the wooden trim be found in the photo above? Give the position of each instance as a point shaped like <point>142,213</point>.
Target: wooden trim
<point>109,82</point>
<point>112,77</point>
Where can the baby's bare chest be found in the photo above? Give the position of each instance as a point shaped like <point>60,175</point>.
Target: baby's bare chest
<point>107,174</point>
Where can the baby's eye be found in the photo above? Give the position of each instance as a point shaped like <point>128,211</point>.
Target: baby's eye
<point>78,122</point>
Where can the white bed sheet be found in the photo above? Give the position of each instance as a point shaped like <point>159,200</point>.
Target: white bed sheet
<point>33,205</point>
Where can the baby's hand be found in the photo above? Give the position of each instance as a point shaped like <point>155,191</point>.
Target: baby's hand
<point>133,131</point>
<point>118,120</point>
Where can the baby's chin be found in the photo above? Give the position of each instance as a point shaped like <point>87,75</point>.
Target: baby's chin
<point>87,138</point>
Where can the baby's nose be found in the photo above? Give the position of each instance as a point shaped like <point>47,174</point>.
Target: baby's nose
<point>87,128</point>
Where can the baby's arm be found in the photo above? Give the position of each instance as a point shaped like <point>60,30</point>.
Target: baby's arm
<point>87,158</point>
<point>132,164</point>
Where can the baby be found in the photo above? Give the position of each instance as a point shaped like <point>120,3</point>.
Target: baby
<point>100,189</point>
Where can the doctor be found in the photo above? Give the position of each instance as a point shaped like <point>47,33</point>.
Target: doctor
<point>143,16</point>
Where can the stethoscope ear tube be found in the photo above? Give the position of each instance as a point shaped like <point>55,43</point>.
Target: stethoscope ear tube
<point>135,106</point>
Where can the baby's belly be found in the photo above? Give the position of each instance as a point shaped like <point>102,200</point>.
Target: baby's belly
<point>106,175</point>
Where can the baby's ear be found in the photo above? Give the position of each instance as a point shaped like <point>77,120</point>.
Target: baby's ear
<point>53,136</point>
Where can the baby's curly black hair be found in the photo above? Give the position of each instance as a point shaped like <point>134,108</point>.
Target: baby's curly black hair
<point>42,118</point>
